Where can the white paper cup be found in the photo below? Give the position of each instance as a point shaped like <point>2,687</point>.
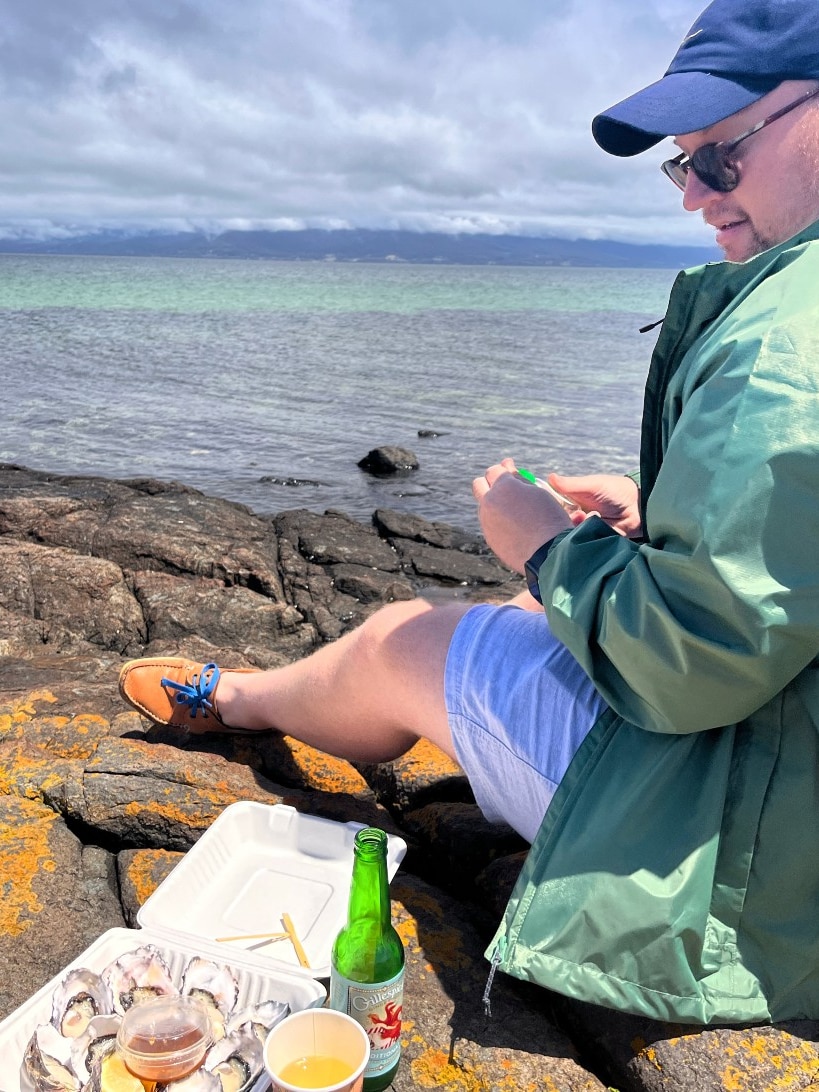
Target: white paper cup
<point>322,1032</point>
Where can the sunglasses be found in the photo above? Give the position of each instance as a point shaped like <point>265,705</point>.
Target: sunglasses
<point>714,164</point>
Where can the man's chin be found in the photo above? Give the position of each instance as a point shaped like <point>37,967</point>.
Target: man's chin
<point>740,243</point>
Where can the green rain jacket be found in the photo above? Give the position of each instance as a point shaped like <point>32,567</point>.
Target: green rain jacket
<point>676,872</point>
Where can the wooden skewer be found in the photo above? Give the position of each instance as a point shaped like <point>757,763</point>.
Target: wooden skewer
<point>254,936</point>
<point>300,953</point>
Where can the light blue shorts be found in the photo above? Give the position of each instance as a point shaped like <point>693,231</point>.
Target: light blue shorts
<point>519,707</point>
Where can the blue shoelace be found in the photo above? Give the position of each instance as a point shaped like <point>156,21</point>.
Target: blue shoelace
<point>197,693</point>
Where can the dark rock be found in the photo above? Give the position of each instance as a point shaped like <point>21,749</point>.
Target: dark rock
<point>290,482</point>
<point>430,433</point>
<point>369,585</point>
<point>335,539</point>
<point>424,775</point>
<point>175,608</point>
<point>650,1056</point>
<point>137,793</point>
<point>494,884</point>
<point>394,525</point>
<point>56,898</point>
<point>465,843</point>
<point>449,1042</point>
<point>383,461</point>
<point>141,525</point>
<point>140,872</point>
<point>452,566</point>
<point>86,596</point>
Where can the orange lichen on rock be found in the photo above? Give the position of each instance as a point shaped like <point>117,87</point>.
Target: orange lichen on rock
<point>197,814</point>
<point>24,852</point>
<point>433,1069</point>
<point>324,772</point>
<point>425,756</point>
<point>650,1054</point>
<point>147,869</point>
<point>194,805</point>
<point>70,737</point>
<point>443,943</point>
<point>28,771</point>
<point>18,712</point>
<point>793,1060</point>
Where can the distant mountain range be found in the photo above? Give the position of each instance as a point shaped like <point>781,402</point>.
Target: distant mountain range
<point>364,245</point>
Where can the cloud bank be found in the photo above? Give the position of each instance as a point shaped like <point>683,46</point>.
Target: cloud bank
<point>435,115</point>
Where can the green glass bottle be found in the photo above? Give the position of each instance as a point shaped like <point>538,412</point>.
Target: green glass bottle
<point>367,966</point>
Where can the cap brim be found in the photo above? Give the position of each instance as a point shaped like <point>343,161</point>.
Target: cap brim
<point>681,102</point>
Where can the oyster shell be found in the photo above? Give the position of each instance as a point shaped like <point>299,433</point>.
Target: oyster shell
<point>97,1041</point>
<point>259,1018</point>
<point>47,1061</point>
<point>80,997</point>
<point>198,1081</point>
<point>237,1060</point>
<point>138,975</point>
<point>216,986</point>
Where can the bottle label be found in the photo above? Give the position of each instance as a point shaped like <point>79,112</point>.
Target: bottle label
<point>377,1007</point>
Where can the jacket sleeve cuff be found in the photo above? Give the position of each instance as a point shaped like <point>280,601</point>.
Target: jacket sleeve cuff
<point>533,565</point>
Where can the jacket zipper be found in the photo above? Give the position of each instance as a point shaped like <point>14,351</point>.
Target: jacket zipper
<point>498,954</point>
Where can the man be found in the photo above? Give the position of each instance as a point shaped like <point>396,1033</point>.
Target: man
<point>656,732</point>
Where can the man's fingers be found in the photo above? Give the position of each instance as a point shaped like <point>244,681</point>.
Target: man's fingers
<point>480,487</point>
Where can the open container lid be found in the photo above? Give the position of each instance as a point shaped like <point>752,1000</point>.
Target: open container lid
<point>257,867</point>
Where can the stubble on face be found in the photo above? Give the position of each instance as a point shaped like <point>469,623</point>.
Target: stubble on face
<point>791,194</point>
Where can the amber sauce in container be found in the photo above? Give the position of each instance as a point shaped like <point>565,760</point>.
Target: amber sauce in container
<point>163,1047</point>
<point>164,1040</point>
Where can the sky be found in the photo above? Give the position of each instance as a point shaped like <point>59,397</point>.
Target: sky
<point>429,115</point>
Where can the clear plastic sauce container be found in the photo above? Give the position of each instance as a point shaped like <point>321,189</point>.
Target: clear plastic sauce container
<point>165,1038</point>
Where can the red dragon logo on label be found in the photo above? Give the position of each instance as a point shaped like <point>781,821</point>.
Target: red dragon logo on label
<point>387,1029</point>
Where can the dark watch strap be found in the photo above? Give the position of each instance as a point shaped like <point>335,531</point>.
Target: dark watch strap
<point>532,568</point>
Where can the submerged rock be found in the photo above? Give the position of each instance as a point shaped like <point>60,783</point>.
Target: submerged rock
<point>387,460</point>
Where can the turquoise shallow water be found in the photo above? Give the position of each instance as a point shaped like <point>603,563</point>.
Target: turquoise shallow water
<point>222,374</point>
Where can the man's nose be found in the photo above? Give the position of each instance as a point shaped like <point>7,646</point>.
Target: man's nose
<point>696,194</point>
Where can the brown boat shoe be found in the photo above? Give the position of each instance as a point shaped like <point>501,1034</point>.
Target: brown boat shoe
<point>177,692</point>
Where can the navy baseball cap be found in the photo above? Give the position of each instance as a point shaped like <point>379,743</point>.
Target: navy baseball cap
<point>736,52</point>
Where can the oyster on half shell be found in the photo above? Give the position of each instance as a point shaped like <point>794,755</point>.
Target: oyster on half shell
<point>80,997</point>
<point>258,1018</point>
<point>216,986</point>
<point>237,1060</point>
<point>138,975</point>
<point>47,1061</point>
<point>97,1041</point>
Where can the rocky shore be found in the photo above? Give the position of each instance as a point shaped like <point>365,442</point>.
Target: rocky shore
<point>97,805</point>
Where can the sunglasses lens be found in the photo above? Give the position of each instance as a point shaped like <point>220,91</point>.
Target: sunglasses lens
<point>676,171</point>
<point>713,166</point>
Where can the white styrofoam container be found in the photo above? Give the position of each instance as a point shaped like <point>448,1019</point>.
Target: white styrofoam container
<point>253,864</point>
<point>254,986</point>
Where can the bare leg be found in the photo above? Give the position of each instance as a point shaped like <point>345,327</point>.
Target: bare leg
<point>368,696</point>
<point>526,600</point>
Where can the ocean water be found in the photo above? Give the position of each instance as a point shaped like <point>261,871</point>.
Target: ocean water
<point>266,382</point>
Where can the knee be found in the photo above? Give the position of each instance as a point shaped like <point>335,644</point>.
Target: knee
<point>386,627</point>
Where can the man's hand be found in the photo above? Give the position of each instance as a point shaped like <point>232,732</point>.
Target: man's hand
<point>613,497</point>
<point>516,517</point>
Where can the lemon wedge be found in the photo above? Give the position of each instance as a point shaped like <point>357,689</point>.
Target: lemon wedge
<point>115,1076</point>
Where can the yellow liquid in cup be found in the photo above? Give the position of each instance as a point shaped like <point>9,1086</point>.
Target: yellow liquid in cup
<point>315,1071</point>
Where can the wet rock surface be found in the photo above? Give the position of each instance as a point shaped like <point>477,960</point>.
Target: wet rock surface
<point>97,805</point>
<point>386,460</point>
